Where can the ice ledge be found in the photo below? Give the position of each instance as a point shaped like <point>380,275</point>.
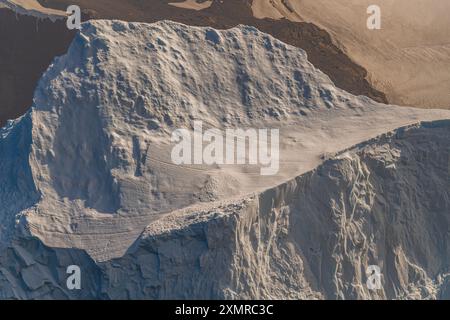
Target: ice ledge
<point>186,217</point>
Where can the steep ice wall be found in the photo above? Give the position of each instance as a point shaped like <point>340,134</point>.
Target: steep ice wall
<point>17,189</point>
<point>385,202</point>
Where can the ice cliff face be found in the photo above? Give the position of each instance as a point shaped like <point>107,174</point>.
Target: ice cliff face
<point>385,203</point>
<point>86,176</point>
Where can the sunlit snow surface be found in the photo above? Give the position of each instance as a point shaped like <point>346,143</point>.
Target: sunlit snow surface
<point>89,166</point>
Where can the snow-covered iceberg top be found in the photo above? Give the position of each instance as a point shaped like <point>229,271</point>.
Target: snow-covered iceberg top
<point>96,149</point>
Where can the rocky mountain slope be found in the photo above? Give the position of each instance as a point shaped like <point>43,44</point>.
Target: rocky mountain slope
<point>86,176</point>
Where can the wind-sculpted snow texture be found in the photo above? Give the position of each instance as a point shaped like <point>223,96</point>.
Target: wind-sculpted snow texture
<point>86,176</point>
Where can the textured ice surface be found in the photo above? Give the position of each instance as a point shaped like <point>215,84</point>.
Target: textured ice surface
<point>86,176</point>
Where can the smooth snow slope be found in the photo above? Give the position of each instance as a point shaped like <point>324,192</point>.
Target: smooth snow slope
<point>99,130</point>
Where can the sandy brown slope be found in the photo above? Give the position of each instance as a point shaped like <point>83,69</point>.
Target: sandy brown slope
<point>408,58</point>
<point>225,14</point>
<point>27,47</point>
<point>34,7</point>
